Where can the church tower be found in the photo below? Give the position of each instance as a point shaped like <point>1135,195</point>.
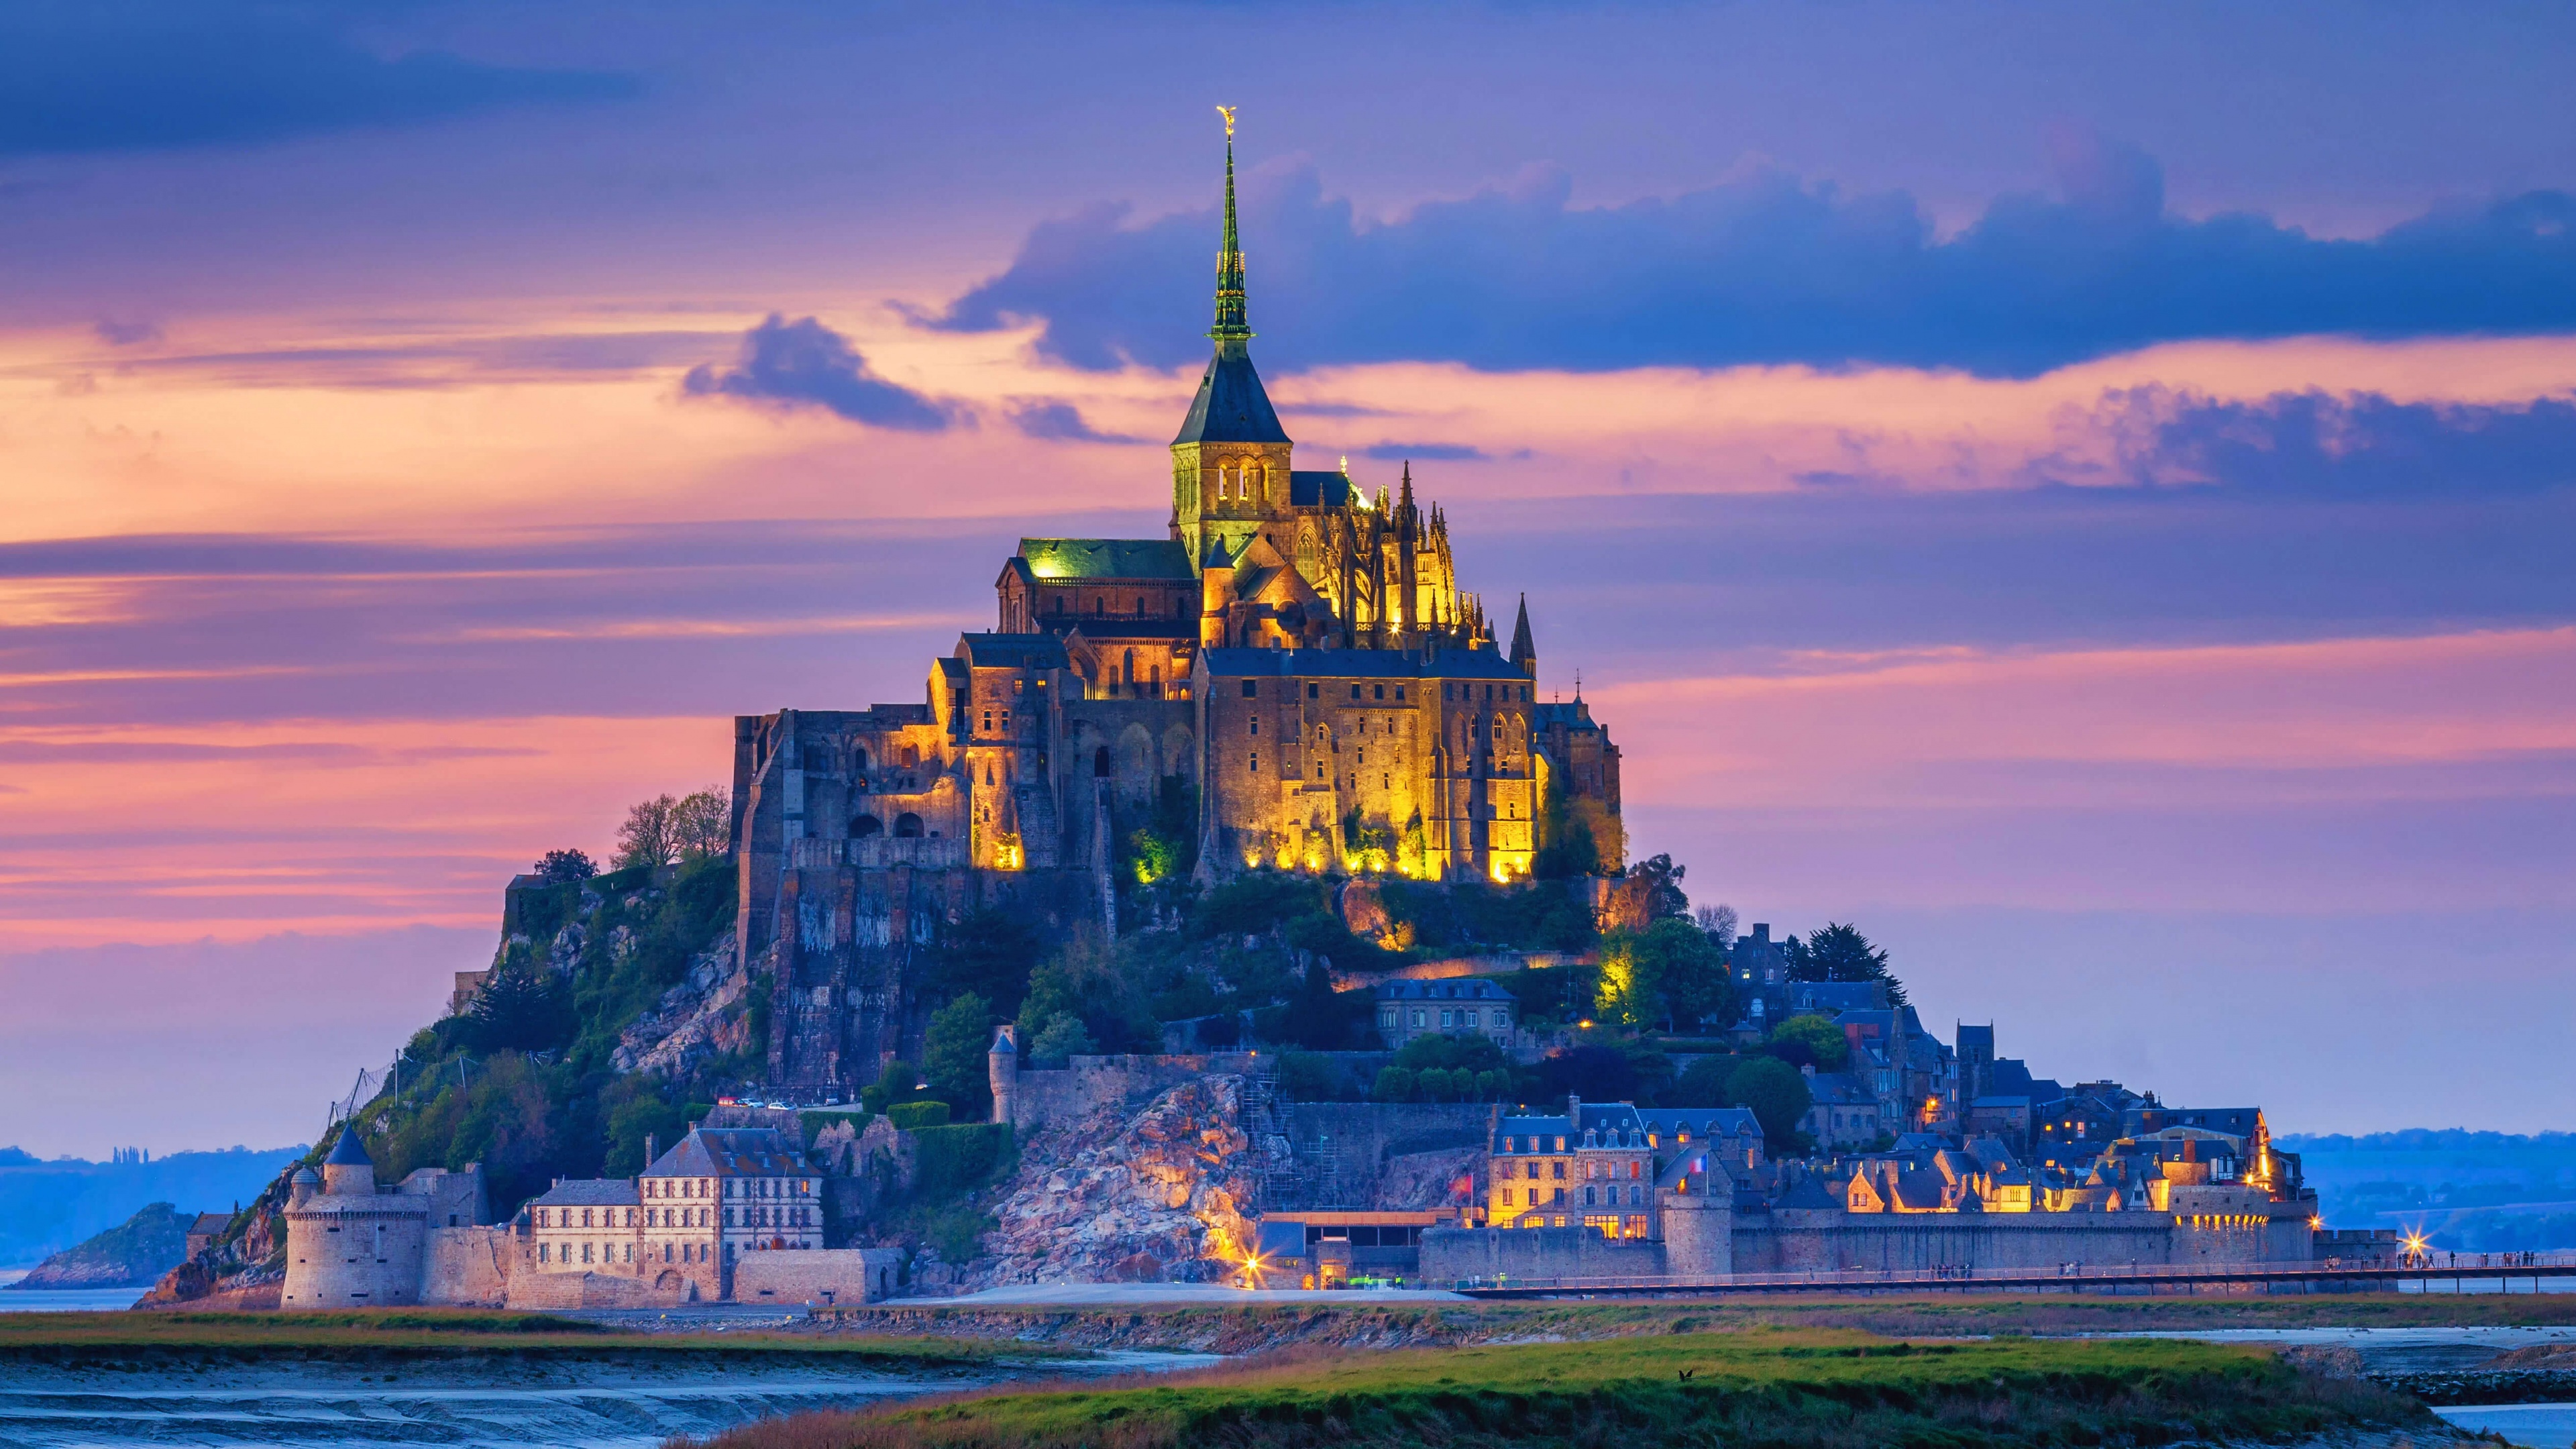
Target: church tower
<point>1230,461</point>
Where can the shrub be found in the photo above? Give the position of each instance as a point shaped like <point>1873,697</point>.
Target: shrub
<point>911,1116</point>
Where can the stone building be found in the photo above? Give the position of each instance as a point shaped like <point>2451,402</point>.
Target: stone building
<point>1470,1007</point>
<point>352,1244</point>
<point>685,1224</point>
<point>1294,677</point>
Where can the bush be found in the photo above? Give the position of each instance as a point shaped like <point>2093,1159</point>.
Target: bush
<point>955,1159</point>
<point>1309,1077</point>
<point>1448,1052</point>
<point>1394,1084</point>
<point>912,1116</point>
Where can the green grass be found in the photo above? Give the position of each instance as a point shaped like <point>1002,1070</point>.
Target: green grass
<point>1766,1387</point>
<point>433,1331</point>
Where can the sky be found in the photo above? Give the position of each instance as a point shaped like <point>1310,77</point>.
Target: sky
<point>2083,493</point>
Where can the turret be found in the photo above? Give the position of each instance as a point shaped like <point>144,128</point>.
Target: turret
<point>349,1171</point>
<point>302,1186</point>
<point>1002,1068</point>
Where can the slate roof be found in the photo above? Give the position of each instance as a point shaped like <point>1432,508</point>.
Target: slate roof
<point>1107,558</point>
<point>1322,489</point>
<point>1606,1120</point>
<point>732,1152</point>
<point>349,1151</point>
<point>1442,991</point>
<point>208,1224</point>
<point>1445,664</point>
<point>589,1192</point>
<point>1704,1122</point>
<point>1012,651</point>
<point>1231,405</point>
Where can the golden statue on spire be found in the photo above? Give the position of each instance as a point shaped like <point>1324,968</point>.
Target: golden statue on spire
<point>1228,113</point>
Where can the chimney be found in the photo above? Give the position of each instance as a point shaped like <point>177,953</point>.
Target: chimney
<point>1574,1113</point>
<point>652,1150</point>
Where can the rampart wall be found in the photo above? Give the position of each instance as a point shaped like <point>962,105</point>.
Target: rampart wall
<point>469,1267</point>
<point>817,1275</point>
<point>1449,1254</point>
<point>1087,1084</point>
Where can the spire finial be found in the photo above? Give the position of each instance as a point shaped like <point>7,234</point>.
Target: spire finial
<point>1231,329</point>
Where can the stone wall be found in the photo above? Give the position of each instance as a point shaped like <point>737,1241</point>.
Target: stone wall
<point>1086,1085</point>
<point>593,1290</point>
<point>469,1267</point>
<point>1451,1254</point>
<point>817,1275</point>
<point>1360,1152</point>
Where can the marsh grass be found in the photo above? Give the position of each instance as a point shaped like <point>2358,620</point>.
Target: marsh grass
<point>1828,1390</point>
<point>433,1332</point>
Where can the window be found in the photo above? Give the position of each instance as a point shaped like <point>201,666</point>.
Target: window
<point>1314,691</point>
<point>1355,691</point>
<point>1256,724</point>
<point>1254,765</point>
<point>1399,694</point>
<point>1557,1169</point>
<point>545,1253</point>
<point>1251,690</point>
<point>585,1252</point>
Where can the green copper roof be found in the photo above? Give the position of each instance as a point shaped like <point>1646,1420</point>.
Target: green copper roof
<point>1106,558</point>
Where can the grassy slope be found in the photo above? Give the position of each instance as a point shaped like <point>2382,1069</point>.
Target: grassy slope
<point>60,1336</point>
<point>1827,1389</point>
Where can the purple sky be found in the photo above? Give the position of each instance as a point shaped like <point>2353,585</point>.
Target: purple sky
<point>2083,494</point>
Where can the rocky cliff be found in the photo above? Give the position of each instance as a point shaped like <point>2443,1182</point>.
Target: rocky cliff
<point>1162,1196</point>
<point>132,1253</point>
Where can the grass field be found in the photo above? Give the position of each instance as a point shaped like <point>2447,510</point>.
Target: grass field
<point>435,1331</point>
<point>1830,1390</point>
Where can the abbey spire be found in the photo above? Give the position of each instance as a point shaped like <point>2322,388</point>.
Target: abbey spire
<point>1232,330</point>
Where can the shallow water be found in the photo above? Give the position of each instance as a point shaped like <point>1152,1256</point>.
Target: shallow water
<point>2541,1426</point>
<point>471,1403</point>
<point>67,1300</point>
<point>2389,1350</point>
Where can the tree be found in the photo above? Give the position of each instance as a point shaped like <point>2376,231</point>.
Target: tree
<point>1448,1053</point>
<point>1089,980</point>
<point>521,1007</point>
<point>1823,1041</point>
<point>988,953</point>
<point>1650,891</point>
<point>1719,921</point>
<point>1703,1083</point>
<point>1777,1096</point>
<point>900,1082</point>
<point>563,867</point>
<point>1063,1037</point>
<point>1841,953</point>
<point>702,823</point>
<point>1394,1084</point>
<point>1669,973</point>
<point>955,1053</point>
<point>1317,1019</point>
<point>650,835</point>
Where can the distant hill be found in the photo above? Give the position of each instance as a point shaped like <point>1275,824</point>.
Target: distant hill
<point>46,1207</point>
<point>134,1253</point>
<point>2473,1192</point>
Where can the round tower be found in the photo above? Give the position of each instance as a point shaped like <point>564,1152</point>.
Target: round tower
<point>302,1186</point>
<point>1698,1210</point>
<point>1002,1066</point>
<point>349,1171</point>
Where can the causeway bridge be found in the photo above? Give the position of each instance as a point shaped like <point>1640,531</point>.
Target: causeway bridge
<point>2428,1273</point>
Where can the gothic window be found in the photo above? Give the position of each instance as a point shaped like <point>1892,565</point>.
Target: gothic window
<point>858,760</point>
<point>1100,763</point>
<point>1128,670</point>
<point>907,826</point>
<point>1099,605</point>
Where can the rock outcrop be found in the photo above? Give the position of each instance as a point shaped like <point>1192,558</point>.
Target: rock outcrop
<point>1102,1198</point>
<point>132,1253</point>
<point>702,1017</point>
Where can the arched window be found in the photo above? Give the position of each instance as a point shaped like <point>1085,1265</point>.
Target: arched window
<point>1254,476</point>
<point>865,826</point>
<point>1100,762</point>
<point>907,826</point>
<point>1127,671</point>
<point>858,761</point>
<point>1100,605</point>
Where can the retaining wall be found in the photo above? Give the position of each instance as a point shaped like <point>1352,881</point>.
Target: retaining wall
<point>817,1275</point>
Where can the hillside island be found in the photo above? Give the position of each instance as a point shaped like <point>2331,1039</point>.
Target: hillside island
<point>1247,907</point>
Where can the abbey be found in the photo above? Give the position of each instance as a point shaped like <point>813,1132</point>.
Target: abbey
<point>1294,672</point>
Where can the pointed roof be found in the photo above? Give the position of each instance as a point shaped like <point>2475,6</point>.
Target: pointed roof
<point>1523,650</point>
<point>1231,406</point>
<point>349,1151</point>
